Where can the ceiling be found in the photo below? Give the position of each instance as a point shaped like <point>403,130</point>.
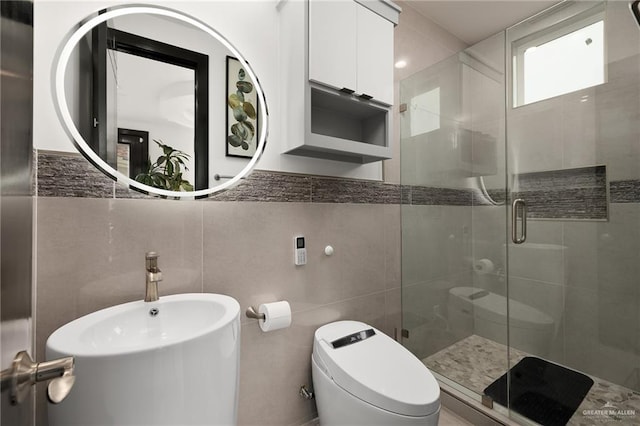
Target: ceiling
<point>475,20</point>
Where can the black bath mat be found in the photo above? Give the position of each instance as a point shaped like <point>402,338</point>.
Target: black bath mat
<point>544,392</point>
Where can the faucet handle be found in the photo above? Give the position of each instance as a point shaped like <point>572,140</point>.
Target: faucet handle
<point>152,261</point>
<point>153,276</point>
<point>59,388</point>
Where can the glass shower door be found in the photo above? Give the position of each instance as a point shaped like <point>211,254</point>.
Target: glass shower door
<point>573,144</point>
<point>454,287</point>
<point>548,113</point>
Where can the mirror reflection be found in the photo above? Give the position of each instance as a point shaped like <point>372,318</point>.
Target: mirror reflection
<point>161,102</point>
<point>158,93</point>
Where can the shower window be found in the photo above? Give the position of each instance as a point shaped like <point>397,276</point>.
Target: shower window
<point>561,58</point>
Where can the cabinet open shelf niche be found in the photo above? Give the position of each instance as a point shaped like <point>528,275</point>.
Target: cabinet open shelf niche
<point>345,129</point>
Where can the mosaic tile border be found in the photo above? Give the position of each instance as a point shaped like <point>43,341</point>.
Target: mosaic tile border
<point>70,175</point>
<point>429,196</point>
<point>560,194</point>
<point>62,174</point>
<point>625,191</point>
<point>579,193</point>
<point>336,190</point>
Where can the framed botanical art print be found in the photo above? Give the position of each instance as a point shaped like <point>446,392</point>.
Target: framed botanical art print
<point>242,114</point>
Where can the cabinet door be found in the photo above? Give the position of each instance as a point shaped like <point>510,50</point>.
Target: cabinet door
<point>374,56</point>
<point>332,43</point>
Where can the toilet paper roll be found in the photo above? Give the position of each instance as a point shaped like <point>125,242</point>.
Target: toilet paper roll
<point>483,266</point>
<point>277,315</point>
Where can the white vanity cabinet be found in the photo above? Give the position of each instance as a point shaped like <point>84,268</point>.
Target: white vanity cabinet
<point>337,78</point>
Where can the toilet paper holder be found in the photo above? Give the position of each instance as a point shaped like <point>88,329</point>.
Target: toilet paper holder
<point>252,313</point>
<point>271,316</point>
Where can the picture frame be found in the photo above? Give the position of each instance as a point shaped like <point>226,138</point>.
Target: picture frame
<point>242,124</point>
<point>132,152</point>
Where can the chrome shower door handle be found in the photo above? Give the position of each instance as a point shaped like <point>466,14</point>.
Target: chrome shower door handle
<point>518,205</point>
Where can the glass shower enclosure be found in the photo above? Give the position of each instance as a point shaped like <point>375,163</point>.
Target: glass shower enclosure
<point>520,159</point>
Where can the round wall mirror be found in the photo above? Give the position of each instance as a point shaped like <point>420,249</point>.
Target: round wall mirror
<point>160,101</point>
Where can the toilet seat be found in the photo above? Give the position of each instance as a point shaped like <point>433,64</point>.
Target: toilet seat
<point>493,307</point>
<point>376,369</point>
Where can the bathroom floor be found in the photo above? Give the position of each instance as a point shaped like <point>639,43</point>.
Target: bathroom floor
<point>476,362</point>
<point>447,418</point>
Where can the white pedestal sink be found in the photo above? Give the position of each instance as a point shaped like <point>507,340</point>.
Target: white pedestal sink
<point>170,362</point>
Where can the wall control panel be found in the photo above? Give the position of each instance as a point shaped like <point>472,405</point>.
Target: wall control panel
<point>300,251</point>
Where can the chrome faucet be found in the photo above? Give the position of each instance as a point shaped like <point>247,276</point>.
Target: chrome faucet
<point>153,276</point>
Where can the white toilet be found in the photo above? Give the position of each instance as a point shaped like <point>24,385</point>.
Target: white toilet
<point>363,377</point>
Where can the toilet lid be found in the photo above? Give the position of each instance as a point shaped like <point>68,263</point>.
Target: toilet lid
<point>376,369</point>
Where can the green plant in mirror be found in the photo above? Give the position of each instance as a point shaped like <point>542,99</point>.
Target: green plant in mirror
<point>243,110</point>
<point>166,172</point>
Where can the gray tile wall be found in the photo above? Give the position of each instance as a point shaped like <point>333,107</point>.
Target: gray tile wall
<point>90,255</point>
<point>92,236</point>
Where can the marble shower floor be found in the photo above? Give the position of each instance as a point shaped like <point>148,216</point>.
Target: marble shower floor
<point>476,362</point>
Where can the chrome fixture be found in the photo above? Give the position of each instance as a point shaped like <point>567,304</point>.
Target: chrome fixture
<point>153,276</point>
<point>219,176</point>
<point>486,194</point>
<point>24,373</point>
<point>251,313</point>
<point>518,205</point>
<point>306,393</point>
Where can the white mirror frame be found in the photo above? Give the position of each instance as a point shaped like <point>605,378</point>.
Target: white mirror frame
<point>60,99</point>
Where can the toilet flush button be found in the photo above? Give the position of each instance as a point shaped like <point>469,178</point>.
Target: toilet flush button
<point>328,250</point>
